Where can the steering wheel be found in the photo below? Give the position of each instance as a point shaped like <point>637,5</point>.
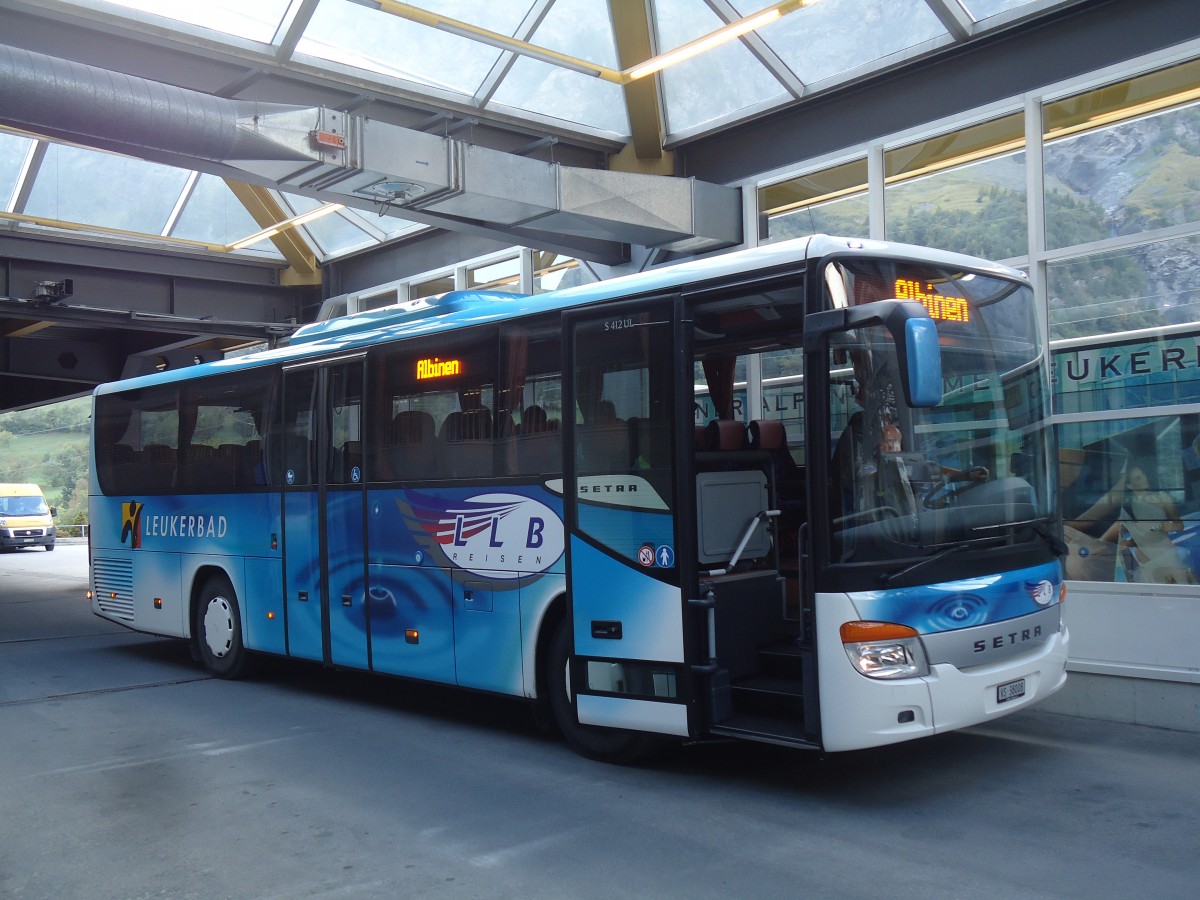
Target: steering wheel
<point>943,494</point>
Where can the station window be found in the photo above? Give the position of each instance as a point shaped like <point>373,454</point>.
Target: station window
<point>1110,292</point>
<point>962,191</point>
<point>828,201</point>
<point>1123,158</point>
<point>431,287</point>
<point>504,275</point>
<point>553,271</point>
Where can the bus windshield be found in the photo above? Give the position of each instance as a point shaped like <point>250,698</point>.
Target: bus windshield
<point>908,482</point>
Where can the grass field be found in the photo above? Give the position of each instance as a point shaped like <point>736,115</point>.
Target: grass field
<point>48,447</point>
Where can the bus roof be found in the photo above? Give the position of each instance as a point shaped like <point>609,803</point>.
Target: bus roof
<point>460,309</point>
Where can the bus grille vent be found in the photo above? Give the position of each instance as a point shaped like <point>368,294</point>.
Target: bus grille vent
<point>113,581</point>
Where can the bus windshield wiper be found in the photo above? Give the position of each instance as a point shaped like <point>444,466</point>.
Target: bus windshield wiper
<point>1057,544</point>
<point>1039,528</point>
<point>888,577</point>
<point>948,550</point>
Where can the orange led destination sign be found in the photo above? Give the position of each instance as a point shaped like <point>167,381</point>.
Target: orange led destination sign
<point>944,309</point>
<point>438,368</point>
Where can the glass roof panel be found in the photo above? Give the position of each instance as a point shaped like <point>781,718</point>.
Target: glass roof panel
<point>13,149</point>
<point>256,20</point>
<point>835,36</point>
<point>539,87</point>
<point>711,85</point>
<point>580,28</point>
<point>389,226</point>
<point>214,215</point>
<point>87,186</point>
<point>336,234</point>
<point>344,32</point>
<point>331,234</point>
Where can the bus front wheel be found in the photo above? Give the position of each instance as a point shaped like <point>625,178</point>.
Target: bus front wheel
<point>217,630</point>
<point>612,745</point>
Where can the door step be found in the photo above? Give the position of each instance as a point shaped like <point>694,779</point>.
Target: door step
<point>766,729</point>
<point>785,658</point>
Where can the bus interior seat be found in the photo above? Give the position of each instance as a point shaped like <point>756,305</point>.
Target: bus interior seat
<point>770,437</point>
<point>604,447</point>
<point>252,467</point>
<point>158,466</point>
<point>534,420</point>
<point>539,442</point>
<point>725,435</point>
<point>722,446</point>
<point>410,450</point>
<point>465,443</point>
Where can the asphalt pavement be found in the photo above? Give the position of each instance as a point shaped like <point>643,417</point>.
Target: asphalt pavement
<point>125,772</point>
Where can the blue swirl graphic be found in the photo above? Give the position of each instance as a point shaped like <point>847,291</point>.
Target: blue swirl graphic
<point>957,611</point>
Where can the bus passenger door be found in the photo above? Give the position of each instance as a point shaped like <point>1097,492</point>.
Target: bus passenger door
<point>323,507</point>
<point>629,668</point>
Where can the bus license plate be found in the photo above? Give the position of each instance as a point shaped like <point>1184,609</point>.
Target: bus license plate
<point>1010,691</point>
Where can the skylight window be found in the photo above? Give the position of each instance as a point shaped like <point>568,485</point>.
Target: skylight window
<point>87,186</point>
<point>352,35</point>
<point>13,150</point>
<point>255,20</point>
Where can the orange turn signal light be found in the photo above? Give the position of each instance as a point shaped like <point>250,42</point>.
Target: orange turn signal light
<point>862,632</point>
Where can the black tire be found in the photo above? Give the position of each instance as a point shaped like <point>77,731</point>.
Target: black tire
<point>49,547</point>
<point>217,630</point>
<point>613,745</point>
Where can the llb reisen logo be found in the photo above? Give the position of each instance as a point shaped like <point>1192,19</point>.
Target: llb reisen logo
<point>503,536</point>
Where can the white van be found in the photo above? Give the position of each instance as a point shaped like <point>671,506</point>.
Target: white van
<point>25,519</point>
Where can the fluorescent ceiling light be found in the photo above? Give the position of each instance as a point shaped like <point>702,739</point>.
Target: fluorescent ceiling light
<point>715,39</point>
<point>278,227</point>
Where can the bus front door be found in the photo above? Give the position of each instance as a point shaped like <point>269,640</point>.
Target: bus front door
<point>323,513</point>
<point>628,668</point>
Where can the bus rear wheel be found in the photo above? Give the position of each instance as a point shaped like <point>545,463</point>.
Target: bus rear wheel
<point>217,630</point>
<point>612,745</point>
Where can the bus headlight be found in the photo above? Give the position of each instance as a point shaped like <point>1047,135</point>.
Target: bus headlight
<point>884,649</point>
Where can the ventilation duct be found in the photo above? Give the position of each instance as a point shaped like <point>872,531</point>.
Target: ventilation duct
<point>346,158</point>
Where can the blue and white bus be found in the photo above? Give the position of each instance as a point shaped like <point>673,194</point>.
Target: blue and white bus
<point>800,494</point>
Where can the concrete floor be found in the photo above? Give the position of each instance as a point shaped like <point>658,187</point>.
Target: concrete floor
<point>126,773</point>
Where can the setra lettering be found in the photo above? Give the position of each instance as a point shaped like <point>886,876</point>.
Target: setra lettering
<point>1000,641</point>
<point>608,488</point>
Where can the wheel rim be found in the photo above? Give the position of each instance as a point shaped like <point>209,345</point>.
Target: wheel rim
<point>218,626</point>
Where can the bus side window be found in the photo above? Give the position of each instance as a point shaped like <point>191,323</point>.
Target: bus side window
<point>529,397</point>
<point>299,429</point>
